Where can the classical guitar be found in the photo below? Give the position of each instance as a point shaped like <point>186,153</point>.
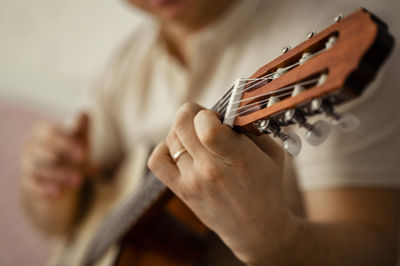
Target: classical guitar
<point>329,69</point>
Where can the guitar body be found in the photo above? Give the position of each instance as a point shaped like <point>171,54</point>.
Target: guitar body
<point>168,235</point>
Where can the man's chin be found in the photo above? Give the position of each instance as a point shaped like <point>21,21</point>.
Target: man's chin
<point>169,10</point>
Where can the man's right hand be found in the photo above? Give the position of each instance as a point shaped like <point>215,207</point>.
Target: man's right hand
<point>55,160</point>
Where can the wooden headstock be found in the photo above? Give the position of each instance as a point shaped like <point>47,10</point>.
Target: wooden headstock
<point>330,68</point>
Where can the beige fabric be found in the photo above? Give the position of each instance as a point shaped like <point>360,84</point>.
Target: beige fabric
<point>144,86</point>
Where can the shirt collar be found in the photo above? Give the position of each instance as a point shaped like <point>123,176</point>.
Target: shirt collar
<point>203,44</point>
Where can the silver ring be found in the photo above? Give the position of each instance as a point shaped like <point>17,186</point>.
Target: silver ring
<point>178,154</point>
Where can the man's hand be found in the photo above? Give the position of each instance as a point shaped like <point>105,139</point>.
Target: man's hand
<point>231,182</point>
<point>54,160</point>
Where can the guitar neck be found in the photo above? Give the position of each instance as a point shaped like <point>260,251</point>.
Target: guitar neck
<point>125,216</point>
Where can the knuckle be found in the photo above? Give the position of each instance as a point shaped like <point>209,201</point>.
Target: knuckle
<point>210,172</point>
<point>208,136</point>
<point>181,120</point>
<point>189,107</point>
<point>184,115</point>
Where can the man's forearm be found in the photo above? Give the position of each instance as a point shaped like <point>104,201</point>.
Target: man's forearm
<point>332,244</point>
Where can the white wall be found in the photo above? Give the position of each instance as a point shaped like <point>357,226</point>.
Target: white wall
<point>50,50</point>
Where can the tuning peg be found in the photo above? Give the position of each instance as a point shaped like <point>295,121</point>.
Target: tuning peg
<point>331,41</point>
<point>305,57</point>
<point>286,49</point>
<point>338,17</point>
<point>311,34</point>
<point>291,141</point>
<point>279,72</point>
<point>346,123</point>
<point>272,100</point>
<point>341,122</point>
<point>316,133</point>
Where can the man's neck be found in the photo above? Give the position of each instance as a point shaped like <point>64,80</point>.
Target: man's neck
<point>177,34</point>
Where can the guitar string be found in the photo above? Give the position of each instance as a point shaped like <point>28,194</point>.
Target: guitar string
<point>283,69</point>
<point>227,96</point>
<point>222,102</point>
<point>307,82</point>
<point>265,100</point>
<point>257,83</point>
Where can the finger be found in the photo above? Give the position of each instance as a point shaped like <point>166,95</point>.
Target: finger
<point>185,131</point>
<point>60,176</point>
<point>219,139</point>
<point>35,154</point>
<point>80,129</point>
<point>66,148</point>
<point>184,161</point>
<point>33,186</point>
<point>51,190</point>
<point>269,146</point>
<point>161,165</point>
<point>57,141</point>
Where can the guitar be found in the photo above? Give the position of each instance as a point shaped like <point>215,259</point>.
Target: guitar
<point>329,69</point>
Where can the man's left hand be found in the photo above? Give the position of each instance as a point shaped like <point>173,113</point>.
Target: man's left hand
<point>231,181</point>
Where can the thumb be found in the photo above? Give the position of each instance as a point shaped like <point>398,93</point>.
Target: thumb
<point>80,129</point>
<point>217,138</point>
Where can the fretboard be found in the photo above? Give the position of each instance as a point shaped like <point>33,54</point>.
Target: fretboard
<point>121,218</point>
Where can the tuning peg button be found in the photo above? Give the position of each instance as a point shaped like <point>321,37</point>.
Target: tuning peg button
<point>318,133</point>
<point>341,122</point>
<point>291,142</point>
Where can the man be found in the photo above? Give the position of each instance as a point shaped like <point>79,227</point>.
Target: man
<point>193,51</point>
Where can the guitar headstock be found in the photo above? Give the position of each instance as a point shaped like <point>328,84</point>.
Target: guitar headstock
<point>330,68</point>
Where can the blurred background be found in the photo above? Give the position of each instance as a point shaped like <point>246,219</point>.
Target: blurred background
<point>50,53</point>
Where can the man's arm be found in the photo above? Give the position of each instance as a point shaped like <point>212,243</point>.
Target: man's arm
<point>234,185</point>
<point>349,227</point>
